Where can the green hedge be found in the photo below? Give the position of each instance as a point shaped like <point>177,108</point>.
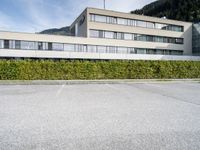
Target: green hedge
<point>70,70</point>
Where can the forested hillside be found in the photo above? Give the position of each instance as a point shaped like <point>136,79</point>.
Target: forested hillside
<point>184,10</point>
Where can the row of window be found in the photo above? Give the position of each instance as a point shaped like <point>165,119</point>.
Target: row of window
<point>136,37</point>
<point>30,45</point>
<point>135,23</point>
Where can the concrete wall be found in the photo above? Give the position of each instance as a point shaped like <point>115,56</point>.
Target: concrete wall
<point>80,55</point>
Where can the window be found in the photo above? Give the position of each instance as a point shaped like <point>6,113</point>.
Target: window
<point>92,17</point>
<point>94,33</point>
<point>58,46</point>
<point>111,20</point>
<point>177,52</point>
<point>161,26</point>
<point>50,47</point>
<point>122,50</point>
<point>99,18</point>
<point>171,40</point>
<point>80,48</point>
<point>112,49</point>
<point>141,24</point>
<point>159,39</point>
<point>150,25</point>
<point>130,22</point>
<point>40,46</point>
<point>140,37</point>
<point>69,47</point>
<point>165,39</point>
<point>122,21</point>
<point>120,35</point>
<point>128,36</point>
<point>150,38</point>
<point>166,52</point>
<point>109,35</point>
<point>17,44</point>
<point>177,28</point>
<point>6,44</point>
<point>28,45</point>
<point>11,44</point>
<point>159,52</point>
<point>141,51</point>
<point>101,49</point>
<point>131,50</point>
<point>92,49</point>
<point>151,51</point>
<point>1,43</point>
<point>97,33</point>
<point>179,41</point>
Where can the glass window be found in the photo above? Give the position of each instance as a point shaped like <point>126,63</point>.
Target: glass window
<point>94,33</point>
<point>150,25</point>
<point>141,24</point>
<point>109,35</point>
<point>151,51</point>
<point>50,47</point>
<point>11,44</point>
<point>92,48</point>
<point>92,17</point>
<point>120,35</point>
<point>6,44</point>
<point>111,20</point>
<point>122,21</point>
<point>166,52</point>
<point>99,18</point>
<point>150,38</point>
<point>112,49</point>
<point>128,36</point>
<point>159,39</point>
<point>28,45</point>
<point>161,26</point>
<point>179,41</point>
<point>141,51</point>
<point>101,49</point>
<point>101,34</point>
<point>130,22</point>
<point>17,44</point>
<point>122,50</point>
<point>69,47</point>
<point>165,39</point>
<point>40,46</point>
<point>58,46</point>
<point>1,43</point>
<point>177,28</point>
<point>140,37</point>
<point>159,52</point>
<point>80,48</point>
<point>171,40</point>
<point>131,50</point>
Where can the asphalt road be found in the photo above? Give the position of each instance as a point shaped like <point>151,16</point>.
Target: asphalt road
<point>100,116</point>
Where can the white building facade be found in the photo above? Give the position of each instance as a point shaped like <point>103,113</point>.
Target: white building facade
<point>105,34</point>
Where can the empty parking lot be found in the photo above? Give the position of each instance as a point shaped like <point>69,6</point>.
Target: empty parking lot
<point>163,115</point>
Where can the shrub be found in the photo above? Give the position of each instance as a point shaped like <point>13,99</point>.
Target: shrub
<point>115,69</point>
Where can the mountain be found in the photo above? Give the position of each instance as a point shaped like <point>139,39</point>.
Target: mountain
<point>183,10</point>
<point>60,31</point>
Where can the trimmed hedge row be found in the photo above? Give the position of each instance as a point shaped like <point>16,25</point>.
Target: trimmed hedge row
<point>71,70</point>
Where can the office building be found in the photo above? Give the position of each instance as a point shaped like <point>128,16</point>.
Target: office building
<point>106,34</point>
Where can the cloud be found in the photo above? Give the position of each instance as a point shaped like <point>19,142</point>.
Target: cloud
<point>43,14</point>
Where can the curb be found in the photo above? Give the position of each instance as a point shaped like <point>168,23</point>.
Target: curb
<point>71,82</point>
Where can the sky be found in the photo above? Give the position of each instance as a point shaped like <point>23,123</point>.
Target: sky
<point>38,15</point>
